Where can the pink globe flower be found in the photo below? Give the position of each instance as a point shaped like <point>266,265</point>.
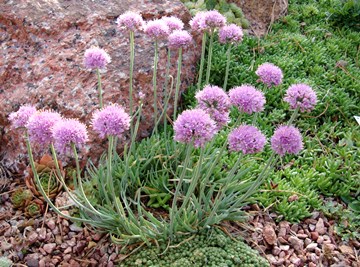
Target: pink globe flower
<point>173,23</point>
<point>157,29</point>
<point>197,23</point>
<point>213,19</point>
<point>67,132</point>
<point>230,34</point>
<point>96,58</point>
<point>179,39</point>
<point>19,118</point>
<point>39,126</point>
<point>111,121</point>
<point>194,126</point>
<point>286,139</point>
<point>130,21</point>
<point>214,101</point>
<point>246,138</point>
<point>301,96</point>
<point>247,99</point>
<point>269,74</point>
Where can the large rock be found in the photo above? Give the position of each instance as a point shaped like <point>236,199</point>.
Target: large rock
<point>262,13</point>
<point>41,62</point>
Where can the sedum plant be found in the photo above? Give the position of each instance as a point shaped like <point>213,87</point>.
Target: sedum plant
<point>179,167</point>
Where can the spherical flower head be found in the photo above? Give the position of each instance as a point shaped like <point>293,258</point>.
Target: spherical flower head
<point>214,101</point>
<point>111,121</point>
<point>286,139</point>
<point>173,23</point>
<point>301,96</point>
<point>157,29</point>
<point>96,58</point>
<point>197,23</point>
<point>67,132</point>
<point>19,118</point>
<point>213,19</point>
<point>247,99</point>
<point>269,74</point>
<point>130,21</point>
<point>231,34</point>
<point>40,126</point>
<point>194,126</point>
<point>179,39</point>
<point>246,138</point>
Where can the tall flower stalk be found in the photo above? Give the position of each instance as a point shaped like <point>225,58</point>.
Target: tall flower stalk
<point>202,60</point>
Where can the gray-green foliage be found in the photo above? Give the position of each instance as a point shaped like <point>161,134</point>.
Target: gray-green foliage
<point>209,248</point>
<point>310,48</point>
<point>5,262</point>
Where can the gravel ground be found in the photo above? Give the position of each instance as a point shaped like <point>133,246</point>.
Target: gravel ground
<point>49,240</point>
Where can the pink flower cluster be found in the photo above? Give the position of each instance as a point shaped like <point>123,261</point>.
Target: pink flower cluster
<point>207,21</point>
<point>130,21</point>
<point>179,39</point>
<point>230,34</point>
<point>286,139</point>
<point>157,29</point>
<point>301,96</point>
<point>19,118</point>
<point>173,23</point>
<point>214,101</point>
<point>246,138</point>
<point>247,99</point>
<point>269,74</point>
<point>96,58</point>
<point>194,126</point>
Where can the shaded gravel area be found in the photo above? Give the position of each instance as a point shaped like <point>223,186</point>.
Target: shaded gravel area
<point>48,240</point>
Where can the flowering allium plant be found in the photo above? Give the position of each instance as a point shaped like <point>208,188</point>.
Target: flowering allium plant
<point>68,132</point>
<point>301,96</point>
<point>247,99</point>
<point>188,175</point>
<point>194,126</point>
<point>247,139</point>
<point>286,139</point>
<point>19,118</point>
<point>40,125</point>
<point>111,120</point>
<point>130,21</point>
<point>269,74</point>
<point>96,58</point>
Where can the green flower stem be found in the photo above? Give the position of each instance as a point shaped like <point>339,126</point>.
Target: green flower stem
<point>42,191</point>
<point>208,67</point>
<point>178,82</point>
<point>293,116</point>
<point>255,117</point>
<point>167,72</point>
<point>132,57</point>
<point>194,181</point>
<point>154,85</point>
<point>163,113</point>
<point>136,129</point>
<point>228,54</point>
<point>203,46</point>
<point>78,171</point>
<point>173,210</point>
<point>99,88</point>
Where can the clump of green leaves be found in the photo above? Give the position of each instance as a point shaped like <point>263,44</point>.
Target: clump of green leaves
<point>345,13</point>
<point>208,248</point>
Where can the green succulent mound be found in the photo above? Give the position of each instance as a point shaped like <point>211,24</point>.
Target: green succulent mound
<point>209,248</point>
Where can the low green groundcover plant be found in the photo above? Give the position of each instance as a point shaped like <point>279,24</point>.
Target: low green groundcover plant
<point>208,248</point>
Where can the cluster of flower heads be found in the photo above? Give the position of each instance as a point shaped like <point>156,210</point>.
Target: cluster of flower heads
<point>246,138</point>
<point>247,99</point>
<point>207,21</point>
<point>301,96</point>
<point>96,58</point>
<point>46,127</point>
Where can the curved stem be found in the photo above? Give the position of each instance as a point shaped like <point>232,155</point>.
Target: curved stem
<point>42,191</point>
<point>203,46</point>
<point>99,88</point>
<point>293,116</point>
<point>208,67</point>
<point>178,82</point>
<point>228,53</point>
